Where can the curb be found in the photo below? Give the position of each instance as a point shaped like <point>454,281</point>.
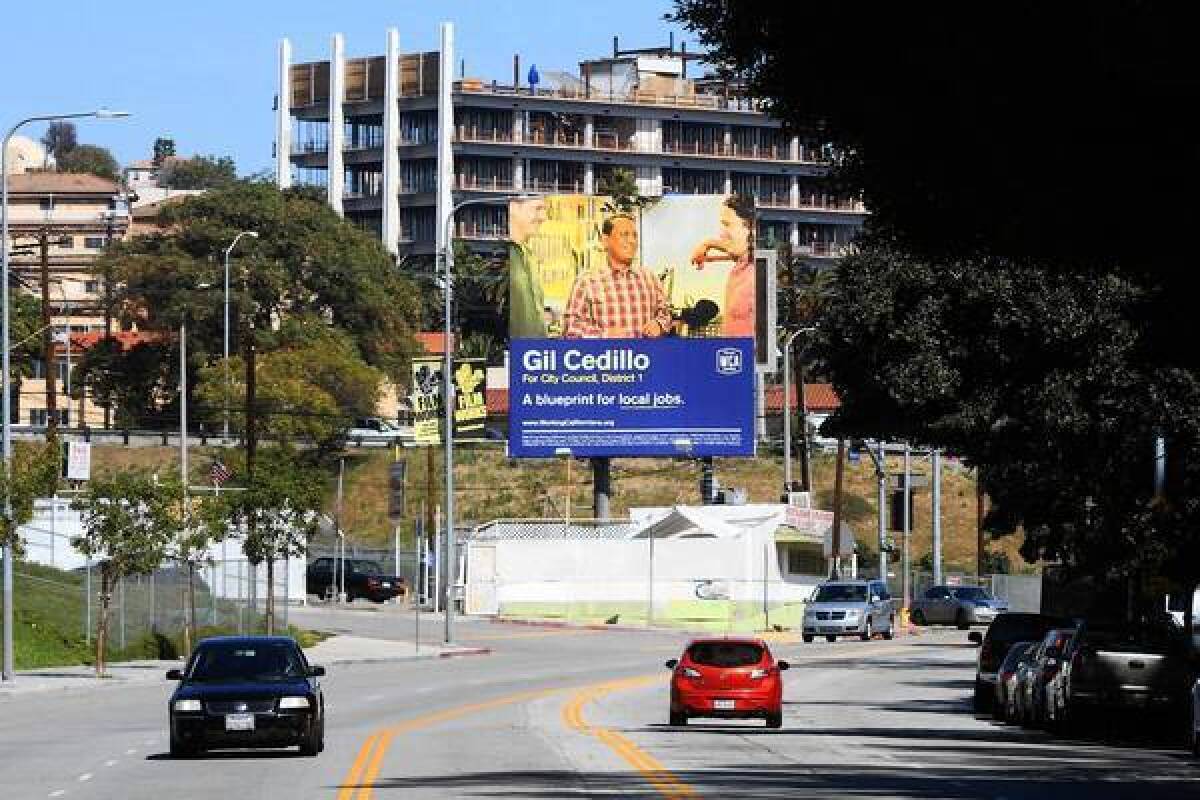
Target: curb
<point>594,626</point>
<point>476,651</point>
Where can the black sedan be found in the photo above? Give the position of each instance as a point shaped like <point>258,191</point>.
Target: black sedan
<point>247,691</point>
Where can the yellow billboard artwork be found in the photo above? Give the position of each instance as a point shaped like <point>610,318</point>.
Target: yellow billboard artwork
<point>681,266</point>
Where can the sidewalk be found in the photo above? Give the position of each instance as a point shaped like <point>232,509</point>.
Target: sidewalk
<point>334,651</point>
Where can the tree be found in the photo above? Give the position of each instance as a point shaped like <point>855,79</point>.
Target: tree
<point>311,384</point>
<point>1001,305</point>
<point>198,172</point>
<point>127,524</point>
<point>35,471</point>
<point>60,139</point>
<point>141,383</point>
<point>621,186</point>
<point>164,148</point>
<point>277,513</point>
<point>90,159</point>
<point>202,522</point>
<point>306,261</point>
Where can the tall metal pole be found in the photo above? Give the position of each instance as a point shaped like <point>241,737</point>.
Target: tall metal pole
<point>906,587</point>
<point>225,407</point>
<point>7,670</point>
<point>787,414</point>
<point>937,517</point>
<point>881,480</point>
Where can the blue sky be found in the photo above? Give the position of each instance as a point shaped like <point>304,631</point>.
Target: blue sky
<point>204,72</point>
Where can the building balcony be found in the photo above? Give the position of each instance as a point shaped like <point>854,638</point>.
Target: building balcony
<point>497,135</point>
<point>639,97</point>
<point>550,187</point>
<point>466,183</point>
<point>822,249</point>
<point>810,203</point>
<point>555,140</point>
<point>309,148</point>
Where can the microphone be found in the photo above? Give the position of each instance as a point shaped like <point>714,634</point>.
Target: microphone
<point>700,314</point>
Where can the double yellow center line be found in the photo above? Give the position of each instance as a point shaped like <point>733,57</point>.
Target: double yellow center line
<point>359,783</point>
<point>664,782</point>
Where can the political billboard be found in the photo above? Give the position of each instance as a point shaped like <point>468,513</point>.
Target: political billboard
<point>675,281</point>
<point>425,399</point>
<point>662,396</point>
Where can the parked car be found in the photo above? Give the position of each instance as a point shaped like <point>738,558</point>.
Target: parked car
<point>1121,667</point>
<point>849,608</point>
<point>963,606</point>
<point>1195,726</point>
<point>1036,675</point>
<point>246,691</point>
<point>1003,633</point>
<point>1004,700</point>
<point>376,430</point>
<point>364,578</point>
<point>729,678</point>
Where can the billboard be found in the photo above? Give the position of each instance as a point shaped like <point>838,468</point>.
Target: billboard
<point>674,283</point>
<point>425,399</point>
<point>632,397</point>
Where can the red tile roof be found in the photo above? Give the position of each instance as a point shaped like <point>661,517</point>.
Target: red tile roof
<point>126,339</point>
<point>497,401</point>
<point>59,183</point>
<point>819,397</point>
<point>431,341</point>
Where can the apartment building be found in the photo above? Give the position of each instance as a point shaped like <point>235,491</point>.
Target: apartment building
<point>75,216</point>
<point>365,129</point>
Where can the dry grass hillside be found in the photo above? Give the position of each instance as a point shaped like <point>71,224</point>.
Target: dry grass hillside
<point>489,486</point>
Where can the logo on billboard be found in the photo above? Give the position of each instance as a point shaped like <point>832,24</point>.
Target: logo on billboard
<point>729,361</point>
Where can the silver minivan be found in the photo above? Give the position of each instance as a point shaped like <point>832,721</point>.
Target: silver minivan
<point>849,608</point>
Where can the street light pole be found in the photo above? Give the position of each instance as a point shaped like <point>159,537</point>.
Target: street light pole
<point>6,667</point>
<point>448,393</point>
<point>225,408</point>
<point>787,409</point>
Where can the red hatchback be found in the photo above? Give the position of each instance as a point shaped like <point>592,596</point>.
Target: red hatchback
<point>727,679</point>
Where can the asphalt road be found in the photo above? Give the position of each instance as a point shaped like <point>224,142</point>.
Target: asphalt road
<point>554,713</point>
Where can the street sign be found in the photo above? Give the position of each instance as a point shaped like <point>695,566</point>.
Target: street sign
<point>77,461</point>
<point>853,456</point>
<point>916,480</point>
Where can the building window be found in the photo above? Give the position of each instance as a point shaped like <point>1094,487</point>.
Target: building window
<point>46,204</point>
<point>93,242</point>
<point>91,287</point>
<point>66,242</point>
<point>39,416</point>
<point>37,369</point>
<point>803,559</point>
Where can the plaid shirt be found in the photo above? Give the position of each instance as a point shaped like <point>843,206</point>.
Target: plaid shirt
<point>615,303</point>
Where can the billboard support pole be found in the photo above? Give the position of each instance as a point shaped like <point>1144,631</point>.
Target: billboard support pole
<point>937,517</point>
<point>601,487</point>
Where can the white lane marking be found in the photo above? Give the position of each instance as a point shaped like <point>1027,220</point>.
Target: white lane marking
<point>372,698</point>
<point>131,751</point>
<point>58,793</point>
<point>112,762</point>
<point>149,741</point>
<point>87,776</point>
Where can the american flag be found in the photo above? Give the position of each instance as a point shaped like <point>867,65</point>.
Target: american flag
<point>219,473</point>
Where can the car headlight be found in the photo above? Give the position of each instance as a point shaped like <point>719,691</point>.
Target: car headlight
<point>188,705</point>
<point>293,702</point>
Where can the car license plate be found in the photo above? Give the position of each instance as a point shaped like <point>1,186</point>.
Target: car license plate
<point>387,585</point>
<point>724,705</point>
<point>239,722</point>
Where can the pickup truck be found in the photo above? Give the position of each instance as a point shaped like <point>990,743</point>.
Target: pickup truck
<point>1120,667</point>
<point>364,578</point>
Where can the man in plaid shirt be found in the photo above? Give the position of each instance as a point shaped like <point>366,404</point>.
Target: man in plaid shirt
<point>622,301</point>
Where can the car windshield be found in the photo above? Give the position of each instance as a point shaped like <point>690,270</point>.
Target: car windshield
<point>725,654</point>
<point>241,661</point>
<point>840,593</point>
<point>364,567</point>
<point>971,593</point>
<point>1154,639</point>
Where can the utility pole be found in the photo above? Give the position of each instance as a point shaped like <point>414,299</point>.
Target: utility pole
<point>881,480</point>
<point>601,487</point>
<point>905,562</point>
<point>839,469</point>
<point>48,338</point>
<point>108,226</point>
<point>937,517</point>
<point>979,548</point>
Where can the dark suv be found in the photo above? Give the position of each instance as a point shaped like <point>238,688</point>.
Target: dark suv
<point>1003,633</point>
<point>364,578</point>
